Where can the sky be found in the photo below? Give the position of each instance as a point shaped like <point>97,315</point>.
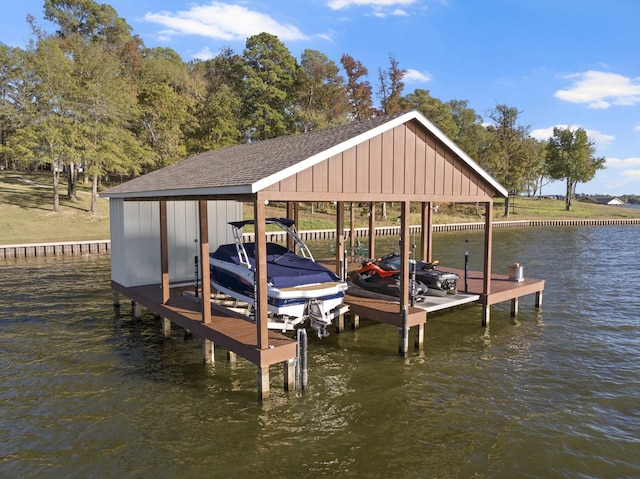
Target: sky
<point>566,63</point>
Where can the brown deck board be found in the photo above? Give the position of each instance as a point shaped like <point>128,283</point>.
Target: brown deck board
<point>227,329</point>
<point>501,289</point>
<point>384,311</point>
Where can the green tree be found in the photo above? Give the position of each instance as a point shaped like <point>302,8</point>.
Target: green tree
<point>322,100</point>
<point>168,95</point>
<point>47,136</point>
<point>101,95</point>
<point>508,156</point>
<point>14,95</point>
<point>433,109</point>
<point>220,121</point>
<point>570,157</point>
<point>469,134</point>
<point>270,87</point>
<point>391,86</point>
<point>358,88</point>
<point>536,175</point>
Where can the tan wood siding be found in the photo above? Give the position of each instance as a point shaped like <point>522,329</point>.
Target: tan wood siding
<point>387,162</point>
<point>363,166</point>
<point>430,180</point>
<point>421,164</point>
<point>398,162</point>
<point>335,174</point>
<point>349,170</point>
<point>321,177</point>
<point>375,162</point>
<point>410,165</point>
<point>405,162</point>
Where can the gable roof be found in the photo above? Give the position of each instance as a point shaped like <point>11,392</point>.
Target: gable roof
<point>603,200</point>
<point>252,167</point>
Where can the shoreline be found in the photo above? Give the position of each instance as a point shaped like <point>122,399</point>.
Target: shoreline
<point>27,250</point>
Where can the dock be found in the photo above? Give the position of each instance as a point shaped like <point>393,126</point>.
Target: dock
<point>229,330</point>
<point>386,309</point>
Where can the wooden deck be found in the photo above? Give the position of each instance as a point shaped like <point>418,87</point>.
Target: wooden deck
<point>501,289</point>
<point>384,311</point>
<point>231,331</point>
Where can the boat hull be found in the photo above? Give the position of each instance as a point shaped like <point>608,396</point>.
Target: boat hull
<point>288,306</point>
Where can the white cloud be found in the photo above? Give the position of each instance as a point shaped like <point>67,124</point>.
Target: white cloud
<point>601,90</point>
<point>222,21</point>
<point>340,4</point>
<point>204,54</point>
<point>636,128</point>
<point>602,139</point>
<point>415,76</point>
<point>624,163</point>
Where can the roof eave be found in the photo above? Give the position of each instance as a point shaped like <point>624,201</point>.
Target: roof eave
<point>345,145</point>
<point>187,192</point>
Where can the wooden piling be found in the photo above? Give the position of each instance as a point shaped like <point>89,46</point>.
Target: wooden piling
<point>263,382</point>
<point>166,328</point>
<point>289,375</point>
<point>208,351</point>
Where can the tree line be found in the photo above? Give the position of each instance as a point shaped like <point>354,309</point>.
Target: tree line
<point>91,96</point>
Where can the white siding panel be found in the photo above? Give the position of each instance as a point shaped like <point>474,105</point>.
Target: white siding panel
<point>118,259</point>
<point>135,238</point>
<point>183,232</point>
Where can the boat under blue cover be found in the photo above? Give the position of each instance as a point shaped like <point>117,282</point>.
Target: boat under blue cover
<point>285,269</point>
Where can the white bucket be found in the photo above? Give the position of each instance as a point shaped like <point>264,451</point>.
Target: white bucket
<point>516,273</point>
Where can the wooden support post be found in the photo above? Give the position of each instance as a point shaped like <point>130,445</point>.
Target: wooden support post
<point>166,328</point>
<point>486,315</point>
<point>488,244</point>
<point>419,338</point>
<point>208,350</point>
<point>204,261</point>
<point>261,313</point>
<point>403,331</point>
<point>427,230</point>
<point>291,246</point>
<point>355,321</point>
<point>372,230</point>
<point>340,323</point>
<point>352,229</point>
<point>340,257</point>
<point>263,382</point>
<point>164,254</point>
<point>514,306</point>
<point>289,375</point>
<point>231,356</point>
<point>539,299</point>
<point>116,299</point>
<point>137,310</point>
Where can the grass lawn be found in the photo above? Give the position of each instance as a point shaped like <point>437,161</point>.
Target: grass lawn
<point>26,215</point>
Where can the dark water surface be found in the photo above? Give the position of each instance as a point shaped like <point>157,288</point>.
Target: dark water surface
<point>87,392</point>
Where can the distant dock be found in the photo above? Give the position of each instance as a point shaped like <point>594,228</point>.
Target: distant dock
<point>54,249</point>
<point>104,246</point>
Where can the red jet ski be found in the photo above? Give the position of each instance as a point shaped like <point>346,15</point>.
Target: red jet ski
<point>382,275</point>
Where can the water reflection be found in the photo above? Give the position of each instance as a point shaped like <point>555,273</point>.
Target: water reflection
<point>86,390</point>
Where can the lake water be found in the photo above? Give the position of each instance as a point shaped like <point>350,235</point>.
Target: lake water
<point>89,392</point>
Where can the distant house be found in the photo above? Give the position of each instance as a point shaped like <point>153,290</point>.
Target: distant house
<point>603,200</point>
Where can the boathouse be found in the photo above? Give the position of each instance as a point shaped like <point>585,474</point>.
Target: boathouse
<point>159,221</point>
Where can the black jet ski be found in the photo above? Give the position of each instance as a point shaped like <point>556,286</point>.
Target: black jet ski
<point>382,275</point>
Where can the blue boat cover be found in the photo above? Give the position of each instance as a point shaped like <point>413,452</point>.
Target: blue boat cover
<point>284,268</point>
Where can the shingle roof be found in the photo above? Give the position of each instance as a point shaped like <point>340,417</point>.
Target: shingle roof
<point>248,168</point>
<point>244,165</point>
